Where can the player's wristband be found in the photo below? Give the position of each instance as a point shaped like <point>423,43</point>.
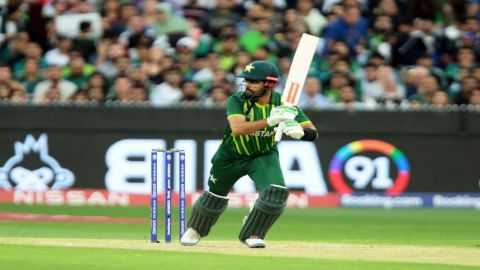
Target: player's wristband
<point>309,135</point>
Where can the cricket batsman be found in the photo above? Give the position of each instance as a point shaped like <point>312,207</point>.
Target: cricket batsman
<point>249,148</point>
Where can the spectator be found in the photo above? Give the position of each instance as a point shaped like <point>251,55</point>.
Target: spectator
<point>149,13</point>
<point>84,43</point>
<point>289,42</point>
<point>5,92</point>
<point>184,54</point>
<point>312,95</point>
<point>336,81</point>
<point>254,12</point>
<point>6,79</point>
<point>217,97</point>
<point>379,86</point>
<point>31,51</point>
<point>370,84</point>
<point>227,50</point>
<point>417,101</point>
<point>168,23</point>
<point>472,9</point>
<point>426,61</point>
<point>350,28</point>
<point>474,98</point>
<point>60,55</point>
<point>315,20</point>
<point>476,73</point>
<point>80,97</point>
<point>381,38</point>
<point>242,60</point>
<point>126,10</point>
<point>168,92</point>
<point>470,36</point>
<point>5,75</point>
<point>189,93</point>
<point>426,87</point>
<point>110,11</point>
<point>122,65</point>
<point>348,98</point>
<point>440,99</point>
<point>273,9</point>
<point>95,94</point>
<point>136,33</point>
<point>11,23</point>
<point>420,41</point>
<point>465,58</point>
<point>139,76</point>
<point>77,70</point>
<point>52,95</point>
<point>468,83</point>
<point>153,66</point>
<point>47,90</point>
<point>13,50</point>
<point>223,15</point>
<point>119,91</point>
<point>221,77</point>
<point>292,20</point>
<point>31,76</point>
<point>412,78</point>
<point>96,80</point>
<point>202,73</point>
<point>259,35</point>
<point>284,64</point>
<point>137,94</point>
<point>19,96</point>
<point>108,52</point>
<point>388,8</point>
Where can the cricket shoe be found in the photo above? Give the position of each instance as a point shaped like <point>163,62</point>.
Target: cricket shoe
<point>255,242</point>
<point>190,238</point>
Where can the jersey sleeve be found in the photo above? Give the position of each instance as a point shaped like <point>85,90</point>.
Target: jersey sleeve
<point>234,107</point>
<point>301,117</point>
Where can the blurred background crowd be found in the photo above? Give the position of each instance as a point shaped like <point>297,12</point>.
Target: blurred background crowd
<point>373,53</point>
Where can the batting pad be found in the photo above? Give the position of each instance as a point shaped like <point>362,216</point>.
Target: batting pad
<point>206,211</point>
<point>268,207</point>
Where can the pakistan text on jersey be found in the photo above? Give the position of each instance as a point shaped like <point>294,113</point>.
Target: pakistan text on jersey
<point>263,133</point>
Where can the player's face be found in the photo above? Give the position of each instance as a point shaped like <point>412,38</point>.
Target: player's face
<point>253,87</point>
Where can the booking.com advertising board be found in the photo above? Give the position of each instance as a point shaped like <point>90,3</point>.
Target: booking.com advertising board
<point>112,167</point>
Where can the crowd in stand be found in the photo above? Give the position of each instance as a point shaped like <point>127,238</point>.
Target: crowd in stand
<point>372,54</point>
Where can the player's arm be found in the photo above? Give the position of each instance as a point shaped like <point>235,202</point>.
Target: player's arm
<point>308,125</point>
<point>304,131</point>
<point>309,130</point>
<point>240,126</point>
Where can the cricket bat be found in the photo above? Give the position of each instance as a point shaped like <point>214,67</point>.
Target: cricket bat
<point>297,74</point>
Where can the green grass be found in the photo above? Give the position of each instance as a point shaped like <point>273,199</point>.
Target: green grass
<point>83,258</point>
<point>93,258</point>
<point>449,228</point>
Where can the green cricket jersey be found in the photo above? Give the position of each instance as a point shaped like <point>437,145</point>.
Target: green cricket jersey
<point>261,141</point>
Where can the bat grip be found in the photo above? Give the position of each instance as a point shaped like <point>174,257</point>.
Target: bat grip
<point>279,132</point>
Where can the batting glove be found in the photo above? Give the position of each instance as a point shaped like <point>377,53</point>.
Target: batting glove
<point>281,113</point>
<point>292,129</point>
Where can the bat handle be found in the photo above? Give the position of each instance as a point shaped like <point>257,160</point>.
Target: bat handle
<point>279,132</point>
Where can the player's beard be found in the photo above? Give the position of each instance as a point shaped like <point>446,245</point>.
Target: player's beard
<point>252,96</point>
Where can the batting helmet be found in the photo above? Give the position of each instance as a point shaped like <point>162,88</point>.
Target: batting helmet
<point>262,71</point>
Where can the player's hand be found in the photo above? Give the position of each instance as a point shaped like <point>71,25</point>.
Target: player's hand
<point>292,129</point>
<point>281,113</point>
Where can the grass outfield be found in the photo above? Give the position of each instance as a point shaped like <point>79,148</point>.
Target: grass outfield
<point>302,239</point>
